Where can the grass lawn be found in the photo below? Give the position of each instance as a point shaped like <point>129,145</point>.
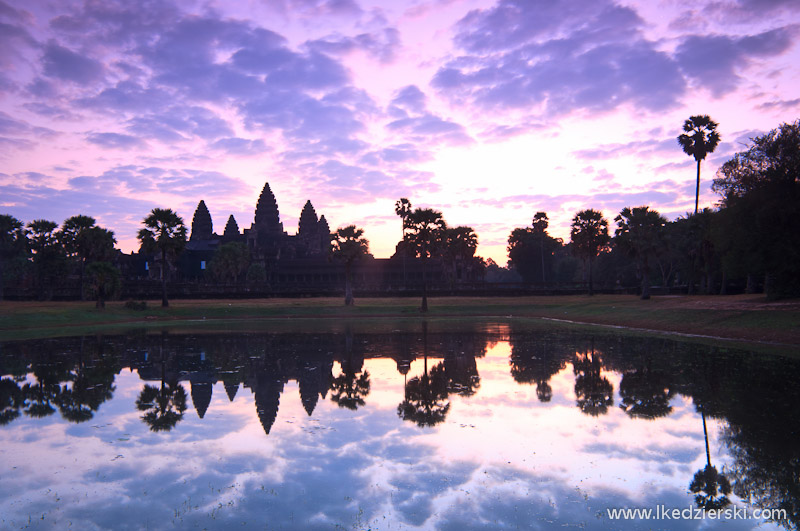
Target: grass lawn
<point>741,317</point>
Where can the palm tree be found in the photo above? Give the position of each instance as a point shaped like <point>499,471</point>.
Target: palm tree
<point>700,139</point>
<point>426,228</point>
<point>540,223</point>
<point>640,234</point>
<point>165,232</point>
<point>589,236</point>
<point>348,245</point>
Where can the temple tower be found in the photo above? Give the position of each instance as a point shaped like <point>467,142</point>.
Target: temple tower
<point>267,216</point>
<point>202,228</point>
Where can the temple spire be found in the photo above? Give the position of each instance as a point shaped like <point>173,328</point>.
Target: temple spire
<point>267,215</point>
<point>308,221</point>
<point>231,229</point>
<point>202,228</point>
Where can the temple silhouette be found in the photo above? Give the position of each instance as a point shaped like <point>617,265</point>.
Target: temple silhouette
<point>279,263</point>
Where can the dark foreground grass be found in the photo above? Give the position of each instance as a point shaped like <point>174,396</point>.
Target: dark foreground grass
<point>748,318</point>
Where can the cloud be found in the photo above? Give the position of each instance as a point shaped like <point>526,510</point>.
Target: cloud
<point>241,146</point>
<point>127,96</point>
<point>114,140</point>
<point>637,148</point>
<point>17,134</point>
<point>783,105</point>
<point>383,45</point>
<point>556,57</point>
<point>712,61</point>
<point>64,64</point>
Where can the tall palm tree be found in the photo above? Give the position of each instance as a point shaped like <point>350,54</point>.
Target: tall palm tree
<point>165,232</point>
<point>348,245</point>
<point>540,223</point>
<point>700,139</point>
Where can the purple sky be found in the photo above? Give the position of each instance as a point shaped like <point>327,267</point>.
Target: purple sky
<point>488,111</point>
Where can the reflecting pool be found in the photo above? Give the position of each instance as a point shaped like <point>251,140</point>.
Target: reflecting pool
<point>515,424</point>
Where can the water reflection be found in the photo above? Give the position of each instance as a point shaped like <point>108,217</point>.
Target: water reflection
<point>448,395</point>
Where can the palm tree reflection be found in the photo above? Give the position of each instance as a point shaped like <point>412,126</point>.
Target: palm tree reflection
<point>163,406</point>
<point>710,488</point>
<point>426,401</point>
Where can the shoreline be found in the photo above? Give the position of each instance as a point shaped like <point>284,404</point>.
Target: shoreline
<point>741,318</point>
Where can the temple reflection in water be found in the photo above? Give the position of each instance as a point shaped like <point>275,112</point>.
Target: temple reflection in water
<point>752,397</point>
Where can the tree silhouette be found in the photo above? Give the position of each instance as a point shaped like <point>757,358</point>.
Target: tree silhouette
<point>710,488</point>
<point>349,389</point>
<point>424,236</point>
<point>11,400</point>
<point>12,245</point>
<point>402,208</point>
<point>230,261</point>
<point>104,281</point>
<point>700,138</point>
<point>73,236</point>
<point>593,391</point>
<point>163,232</point>
<point>458,249</point>
<point>48,255</point>
<point>645,394</point>
<point>589,236</point>
<point>760,191</point>
<point>640,234</point>
<point>348,245</point>
<point>540,224</point>
<point>425,401</point>
<point>532,252</point>
<point>163,406</point>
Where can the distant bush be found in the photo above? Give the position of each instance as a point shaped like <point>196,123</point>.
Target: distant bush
<point>136,305</point>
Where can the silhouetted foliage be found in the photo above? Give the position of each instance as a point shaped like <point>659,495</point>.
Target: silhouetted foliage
<point>640,234</point>
<point>13,248</point>
<point>593,391</point>
<point>48,256</point>
<point>163,232</point>
<point>532,252</point>
<point>230,262</point>
<point>348,246</point>
<point>759,228</point>
<point>700,138</point>
<point>424,236</point>
<point>589,237</point>
<point>104,282</point>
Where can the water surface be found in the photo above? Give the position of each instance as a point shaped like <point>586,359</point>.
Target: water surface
<point>393,425</point>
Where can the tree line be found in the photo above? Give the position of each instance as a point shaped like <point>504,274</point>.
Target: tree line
<point>751,241</point>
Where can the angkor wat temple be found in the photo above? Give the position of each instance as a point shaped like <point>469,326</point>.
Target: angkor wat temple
<point>266,239</point>
<point>284,264</point>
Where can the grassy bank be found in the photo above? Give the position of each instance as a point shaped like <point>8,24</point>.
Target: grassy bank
<point>745,317</point>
